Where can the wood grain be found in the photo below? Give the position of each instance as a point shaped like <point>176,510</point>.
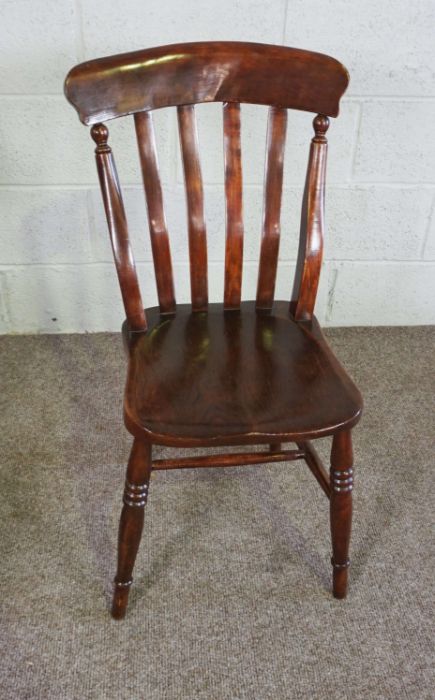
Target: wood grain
<point>341,478</point>
<point>276,133</point>
<point>195,207</point>
<point>216,71</point>
<point>118,230</point>
<point>235,378</point>
<point>239,372</point>
<point>237,459</point>
<point>234,206</point>
<point>156,215</point>
<point>131,522</point>
<point>309,261</point>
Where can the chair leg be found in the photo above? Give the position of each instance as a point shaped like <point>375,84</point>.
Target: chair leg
<point>341,509</point>
<point>275,447</point>
<point>131,523</point>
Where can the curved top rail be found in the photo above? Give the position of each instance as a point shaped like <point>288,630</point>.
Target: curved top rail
<point>220,71</point>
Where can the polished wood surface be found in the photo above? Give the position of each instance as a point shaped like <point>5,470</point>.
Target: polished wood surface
<point>234,206</point>
<point>195,207</point>
<point>276,133</point>
<point>131,522</point>
<point>310,252</point>
<point>217,71</point>
<point>156,215</point>
<point>341,481</point>
<point>235,378</point>
<point>118,229</point>
<point>237,372</point>
<point>236,459</point>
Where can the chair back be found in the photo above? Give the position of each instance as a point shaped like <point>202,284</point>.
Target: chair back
<point>182,75</point>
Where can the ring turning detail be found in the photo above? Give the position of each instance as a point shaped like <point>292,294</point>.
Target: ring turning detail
<point>342,481</point>
<point>135,494</point>
<point>345,564</point>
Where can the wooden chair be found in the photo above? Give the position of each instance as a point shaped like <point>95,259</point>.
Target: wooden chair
<point>236,373</point>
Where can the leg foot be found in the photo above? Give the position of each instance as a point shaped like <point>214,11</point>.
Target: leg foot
<point>131,523</point>
<point>120,600</point>
<point>339,579</point>
<point>341,509</point>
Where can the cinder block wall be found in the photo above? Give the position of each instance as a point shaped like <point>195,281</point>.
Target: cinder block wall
<point>56,273</point>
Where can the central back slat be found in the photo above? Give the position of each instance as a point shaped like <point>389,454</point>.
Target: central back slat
<point>156,215</point>
<point>195,207</point>
<point>276,134</point>
<point>234,206</point>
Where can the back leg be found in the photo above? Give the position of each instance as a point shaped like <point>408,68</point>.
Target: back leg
<point>341,509</point>
<point>131,523</point>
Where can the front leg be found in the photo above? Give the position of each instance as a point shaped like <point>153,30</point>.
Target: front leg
<point>341,509</point>
<point>131,523</point>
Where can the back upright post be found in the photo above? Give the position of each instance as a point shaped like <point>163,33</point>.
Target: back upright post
<point>310,252</point>
<point>118,230</point>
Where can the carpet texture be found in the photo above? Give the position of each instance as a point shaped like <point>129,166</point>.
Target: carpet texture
<point>231,599</point>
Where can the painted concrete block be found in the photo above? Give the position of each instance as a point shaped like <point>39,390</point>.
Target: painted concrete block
<point>383,294</point>
<point>56,260</point>
<point>140,25</point>
<point>376,222</point>
<point>394,142</point>
<point>65,298</point>
<point>5,321</point>
<point>43,142</point>
<point>388,47</point>
<point>44,226</point>
<point>429,249</point>
<point>37,45</point>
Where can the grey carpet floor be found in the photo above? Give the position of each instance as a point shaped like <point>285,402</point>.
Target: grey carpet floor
<point>232,589</point>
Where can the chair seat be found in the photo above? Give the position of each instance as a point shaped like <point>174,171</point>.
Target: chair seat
<point>235,377</point>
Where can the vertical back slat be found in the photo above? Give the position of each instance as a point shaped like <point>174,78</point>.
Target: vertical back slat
<point>195,207</point>
<point>118,230</point>
<point>156,215</point>
<point>234,206</point>
<point>276,134</point>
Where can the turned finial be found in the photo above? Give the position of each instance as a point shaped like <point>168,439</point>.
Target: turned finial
<point>320,126</point>
<point>100,134</point>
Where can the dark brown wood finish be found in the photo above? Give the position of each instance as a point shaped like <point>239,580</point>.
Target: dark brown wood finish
<point>235,379</point>
<point>195,207</point>
<point>276,133</point>
<point>240,372</point>
<point>310,252</point>
<point>117,224</point>
<point>131,523</point>
<point>234,206</point>
<point>341,479</point>
<point>215,71</point>
<point>156,215</point>
<point>237,459</point>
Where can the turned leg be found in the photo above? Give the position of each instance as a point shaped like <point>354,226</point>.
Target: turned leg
<point>131,523</point>
<point>341,509</point>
